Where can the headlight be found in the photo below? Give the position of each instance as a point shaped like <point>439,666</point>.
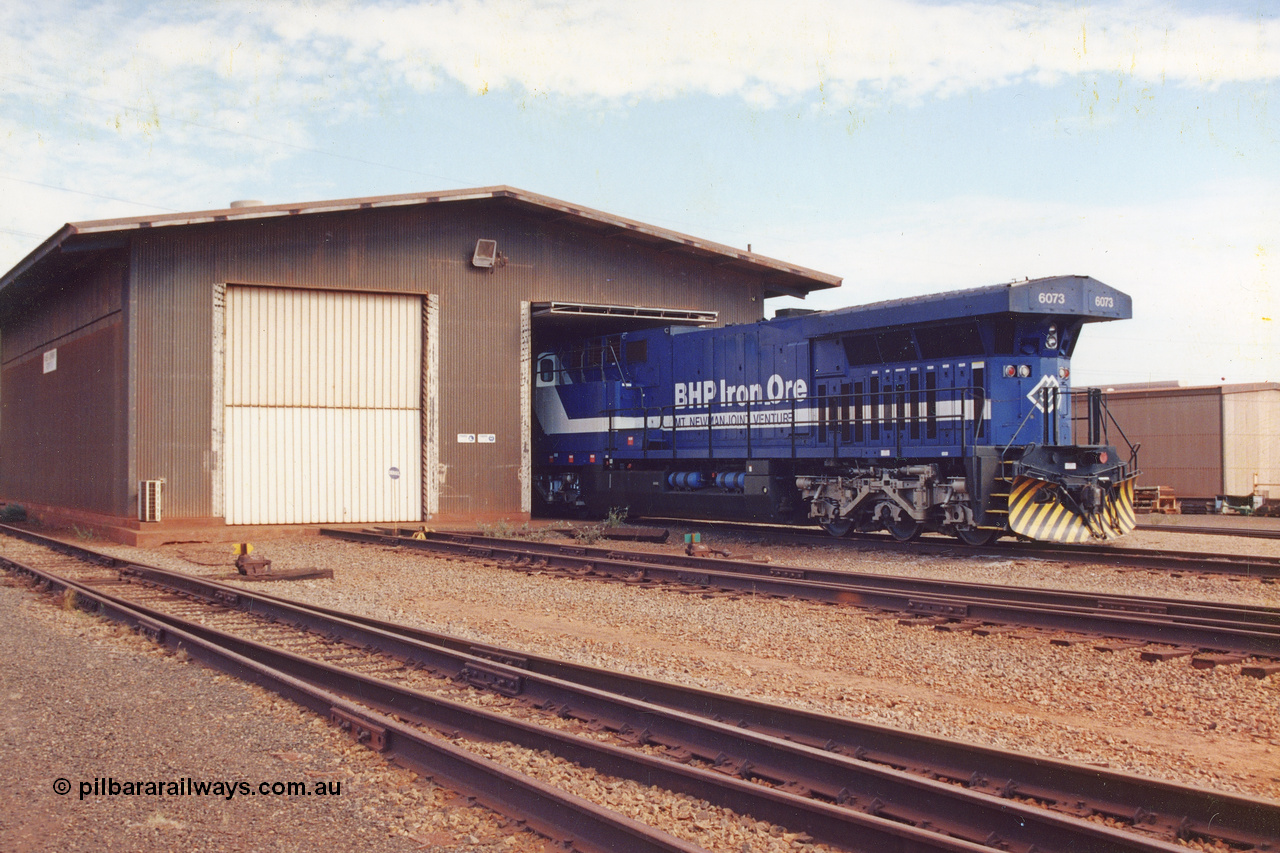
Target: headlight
<point>1024,370</point>
<point>1010,371</point>
<point>1051,339</point>
<point>1064,373</point>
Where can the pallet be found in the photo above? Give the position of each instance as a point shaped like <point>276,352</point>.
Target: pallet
<point>1158,499</point>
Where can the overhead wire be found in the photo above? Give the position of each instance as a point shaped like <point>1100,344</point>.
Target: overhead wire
<point>82,192</point>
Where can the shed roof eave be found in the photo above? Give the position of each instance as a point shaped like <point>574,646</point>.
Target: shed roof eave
<point>1150,391</point>
<point>36,255</point>
<point>798,280</point>
<point>778,277</point>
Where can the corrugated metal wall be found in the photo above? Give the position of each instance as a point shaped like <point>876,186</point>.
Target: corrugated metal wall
<point>407,250</point>
<point>171,287</point>
<point>1181,436</point>
<point>322,407</point>
<point>65,430</point>
<point>1251,421</point>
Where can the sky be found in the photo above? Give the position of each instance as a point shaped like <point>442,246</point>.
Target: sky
<point>908,146</point>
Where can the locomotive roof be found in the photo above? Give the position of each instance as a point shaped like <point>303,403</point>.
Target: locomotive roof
<point>1067,295</point>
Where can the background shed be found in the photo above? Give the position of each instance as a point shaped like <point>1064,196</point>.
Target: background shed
<point>1204,441</point>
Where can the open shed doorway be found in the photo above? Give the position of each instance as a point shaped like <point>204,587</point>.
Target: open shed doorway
<point>559,327</point>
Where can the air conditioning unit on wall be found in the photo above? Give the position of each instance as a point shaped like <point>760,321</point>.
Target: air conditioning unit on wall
<point>150,494</point>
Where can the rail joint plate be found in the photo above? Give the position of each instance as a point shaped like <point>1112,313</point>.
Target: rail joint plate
<point>937,608</point>
<point>361,730</point>
<point>153,631</point>
<point>492,679</point>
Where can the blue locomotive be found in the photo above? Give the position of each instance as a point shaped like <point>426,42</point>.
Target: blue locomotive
<point>949,413</point>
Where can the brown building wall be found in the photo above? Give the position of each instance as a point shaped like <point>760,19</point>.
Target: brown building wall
<point>426,249</point>
<point>64,431</point>
<point>1181,435</point>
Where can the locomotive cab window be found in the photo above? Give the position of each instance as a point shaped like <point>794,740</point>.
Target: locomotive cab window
<point>547,371</point>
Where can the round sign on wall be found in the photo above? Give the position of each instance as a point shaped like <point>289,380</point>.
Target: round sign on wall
<point>394,473</point>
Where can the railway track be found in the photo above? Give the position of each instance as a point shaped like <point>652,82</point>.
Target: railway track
<point>1191,562</point>
<point>840,781</point>
<point>1249,531</point>
<point>1184,628</point>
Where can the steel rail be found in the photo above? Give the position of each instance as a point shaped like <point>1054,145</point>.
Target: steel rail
<point>1151,804</point>
<point>1249,565</point>
<point>1203,612</point>
<point>1108,617</point>
<point>913,798</point>
<point>1254,532</point>
<point>576,823</point>
<point>1077,788</point>
<point>881,827</point>
<point>1112,555</point>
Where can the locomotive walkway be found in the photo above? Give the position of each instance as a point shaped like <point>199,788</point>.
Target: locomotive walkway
<point>838,780</point>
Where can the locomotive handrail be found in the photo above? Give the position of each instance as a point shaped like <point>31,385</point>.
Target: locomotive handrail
<point>1133,448</point>
<point>967,395</point>
<point>1050,421</point>
<point>1098,415</point>
<point>793,427</point>
<point>1017,432</point>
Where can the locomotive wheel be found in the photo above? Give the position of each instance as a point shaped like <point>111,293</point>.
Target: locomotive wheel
<point>974,537</point>
<point>904,529</point>
<point>837,528</point>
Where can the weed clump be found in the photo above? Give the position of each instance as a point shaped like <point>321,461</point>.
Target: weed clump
<point>592,533</point>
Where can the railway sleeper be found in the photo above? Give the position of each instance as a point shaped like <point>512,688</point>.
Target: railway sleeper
<point>1157,655</point>
<point>1261,670</point>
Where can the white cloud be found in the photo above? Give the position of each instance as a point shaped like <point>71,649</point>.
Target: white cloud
<point>1200,269</point>
<point>263,57</point>
<point>763,50</point>
<point>120,78</point>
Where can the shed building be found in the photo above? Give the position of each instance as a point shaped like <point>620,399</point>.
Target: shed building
<point>359,360</point>
<point>1204,441</point>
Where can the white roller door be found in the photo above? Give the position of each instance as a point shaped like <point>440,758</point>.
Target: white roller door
<point>322,407</point>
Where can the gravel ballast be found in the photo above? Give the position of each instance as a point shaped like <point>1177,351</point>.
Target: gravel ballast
<point>1015,691</point>
<point>1210,728</point>
<point>87,700</point>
